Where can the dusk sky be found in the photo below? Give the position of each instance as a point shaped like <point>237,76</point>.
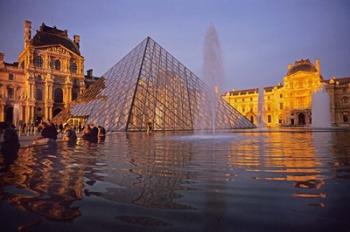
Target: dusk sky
<point>258,37</point>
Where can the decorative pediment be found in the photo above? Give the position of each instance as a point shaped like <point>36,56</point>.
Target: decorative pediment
<point>58,50</point>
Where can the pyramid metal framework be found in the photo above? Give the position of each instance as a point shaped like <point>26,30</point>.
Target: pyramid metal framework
<point>150,86</point>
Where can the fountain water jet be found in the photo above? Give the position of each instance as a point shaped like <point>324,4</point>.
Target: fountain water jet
<point>321,116</point>
<point>260,119</point>
<point>213,71</point>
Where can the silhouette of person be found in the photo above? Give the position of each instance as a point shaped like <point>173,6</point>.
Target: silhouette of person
<point>10,144</point>
<point>101,134</point>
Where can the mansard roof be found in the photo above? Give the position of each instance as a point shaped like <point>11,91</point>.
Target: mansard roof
<point>53,36</point>
<point>302,65</point>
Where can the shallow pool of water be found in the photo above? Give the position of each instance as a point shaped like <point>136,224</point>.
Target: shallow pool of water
<point>252,181</point>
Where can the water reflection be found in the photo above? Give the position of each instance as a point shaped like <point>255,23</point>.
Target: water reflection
<point>156,180</point>
<point>46,181</point>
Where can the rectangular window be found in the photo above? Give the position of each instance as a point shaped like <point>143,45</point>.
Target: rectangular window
<point>281,106</point>
<point>269,118</point>
<point>11,76</point>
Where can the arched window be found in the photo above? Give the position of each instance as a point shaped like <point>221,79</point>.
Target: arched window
<point>38,61</point>
<point>58,95</point>
<point>39,94</point>
<point>73,66</point>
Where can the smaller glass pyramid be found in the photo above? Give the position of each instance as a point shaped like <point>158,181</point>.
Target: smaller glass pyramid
<point>150,86</point>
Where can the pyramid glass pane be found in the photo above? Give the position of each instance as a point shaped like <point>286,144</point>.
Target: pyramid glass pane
<point>150,86</point>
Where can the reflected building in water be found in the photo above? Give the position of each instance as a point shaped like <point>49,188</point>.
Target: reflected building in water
<point>274,157</point>
<point>46,182</point>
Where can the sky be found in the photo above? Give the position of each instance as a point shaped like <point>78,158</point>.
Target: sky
<point>258,38</point>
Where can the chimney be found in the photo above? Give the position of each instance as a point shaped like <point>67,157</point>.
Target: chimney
<point>27,32</point>
<point>76,39</point>
<point>89,73</point>
<point>318,65</point>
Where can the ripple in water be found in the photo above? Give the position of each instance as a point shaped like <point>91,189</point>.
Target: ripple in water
<point>284,181</point>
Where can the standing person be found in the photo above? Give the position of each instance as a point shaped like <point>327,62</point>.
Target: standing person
<point>149,127</point>
<point>10,144</point>
<point>90,133</point>
<point>94,132</point>
<point>69,134</point>
<point>24,128</point>
<point>53,131</point>
<point>49,131</point>
<point>101,133</point>
<point>86,133</point>
<point>60,127</point>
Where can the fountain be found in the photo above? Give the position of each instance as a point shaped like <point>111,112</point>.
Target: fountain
<point>260,119</point>
<point>213,71</point>
<point>321,116</point>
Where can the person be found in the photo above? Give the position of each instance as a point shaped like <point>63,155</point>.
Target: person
<point>48,133</point>
<point>89,134</point>
<point>69,134</point>
<point>10,144</point>
<point>149,127</point>
<point>101,133</point>
<point>94,131</point>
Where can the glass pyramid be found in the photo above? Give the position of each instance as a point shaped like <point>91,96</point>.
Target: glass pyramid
<point>150,86</point>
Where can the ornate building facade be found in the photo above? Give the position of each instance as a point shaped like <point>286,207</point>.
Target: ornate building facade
<point>290,102</point>
<point>49,74</point>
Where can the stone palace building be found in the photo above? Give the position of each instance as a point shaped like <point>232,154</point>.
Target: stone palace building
<point>290,102</point>
<point>48,75</point>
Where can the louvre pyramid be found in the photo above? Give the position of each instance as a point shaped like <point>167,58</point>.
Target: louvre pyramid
<point>147,86</point>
